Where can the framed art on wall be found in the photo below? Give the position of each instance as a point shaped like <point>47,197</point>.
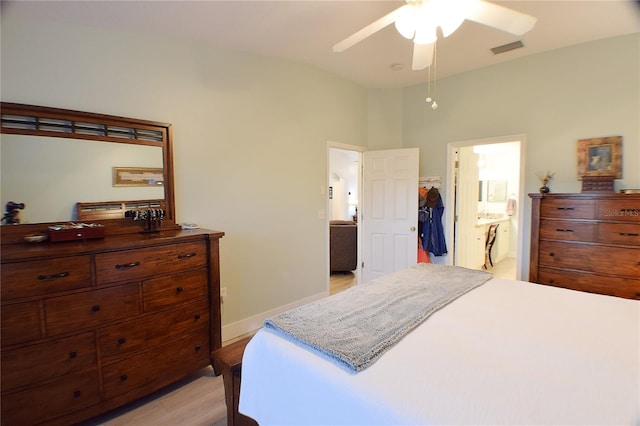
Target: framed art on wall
<point>138,176</point>
<point>600,157</point>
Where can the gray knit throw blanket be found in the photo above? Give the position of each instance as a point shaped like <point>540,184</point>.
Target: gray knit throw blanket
<point>357,326</point>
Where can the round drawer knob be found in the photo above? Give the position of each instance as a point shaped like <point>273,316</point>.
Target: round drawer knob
<point>95,308</point>
<point>197,316</point>
<point>123,378</point>
<point>73,354</point>
<point>198,347</point>
<point>179,289</point>
<point>77,393</point>
<point>121,341</point>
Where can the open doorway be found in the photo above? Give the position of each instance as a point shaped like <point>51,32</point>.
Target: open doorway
<point>344,188</point>
<point>487,188</point>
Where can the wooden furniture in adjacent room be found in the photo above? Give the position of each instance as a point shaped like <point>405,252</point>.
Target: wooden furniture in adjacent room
<point>587,242</point>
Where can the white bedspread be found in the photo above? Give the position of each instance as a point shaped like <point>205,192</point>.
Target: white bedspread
<point>508,352</point>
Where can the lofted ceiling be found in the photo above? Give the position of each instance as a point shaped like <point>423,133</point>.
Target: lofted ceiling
<point>306,30</point>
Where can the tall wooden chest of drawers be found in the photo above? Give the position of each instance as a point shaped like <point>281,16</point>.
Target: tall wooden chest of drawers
<point>588,242</point>
<point>89,326</point>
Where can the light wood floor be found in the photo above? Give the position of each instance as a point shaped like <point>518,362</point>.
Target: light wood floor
<point>506,268</point>
<point>339,281</point>
<point>198,401</point>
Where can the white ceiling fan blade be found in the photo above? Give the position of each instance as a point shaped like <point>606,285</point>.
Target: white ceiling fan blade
<point>422,56</point>
<point>500,17</point>
<point>369,30</point>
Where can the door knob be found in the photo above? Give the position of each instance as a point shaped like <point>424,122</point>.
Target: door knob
<point>413,228</point>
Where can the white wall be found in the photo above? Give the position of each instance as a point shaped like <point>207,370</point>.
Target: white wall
<point>554,98</point>
<point>250,137</point>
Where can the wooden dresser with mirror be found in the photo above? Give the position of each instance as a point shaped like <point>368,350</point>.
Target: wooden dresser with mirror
<point>92,324</point>
<point>588,242</point>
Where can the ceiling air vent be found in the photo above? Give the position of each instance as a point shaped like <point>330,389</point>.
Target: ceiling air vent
<point>507,47</point>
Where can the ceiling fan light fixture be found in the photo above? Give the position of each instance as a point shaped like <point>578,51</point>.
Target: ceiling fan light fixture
<point>406,22</point>
<point>425,35</point>
<point>450,14</point>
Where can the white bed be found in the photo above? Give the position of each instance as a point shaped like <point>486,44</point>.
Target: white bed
<point>507,352</point>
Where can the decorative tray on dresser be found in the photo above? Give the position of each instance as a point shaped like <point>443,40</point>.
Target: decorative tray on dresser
<point>88,326</point>
<point>588,242</point>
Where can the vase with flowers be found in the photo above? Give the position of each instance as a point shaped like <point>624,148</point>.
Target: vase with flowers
<point>545,177</point>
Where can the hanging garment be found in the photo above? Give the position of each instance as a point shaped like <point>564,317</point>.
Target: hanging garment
<point>511,207</point>
<point>423,255</point>
<point>432,231</point>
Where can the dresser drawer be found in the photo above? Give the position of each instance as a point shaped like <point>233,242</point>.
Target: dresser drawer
<point>157,367</point>
<point>129,265</point>
<point>619,233</point>
<point>50,400</point>
<point>154,330</point>
<point>40,277</point>
<point>625,210</point>
<point>623,262</point>
<point>567,230</point>
<point>45,361</point>
<point>91,308</point>
<point>20,322</point>
<point>621,287</point>
<point>170,290</point>
<point>567,208</point>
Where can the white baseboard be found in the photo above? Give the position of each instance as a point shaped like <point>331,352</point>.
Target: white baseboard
<point>255,322</point>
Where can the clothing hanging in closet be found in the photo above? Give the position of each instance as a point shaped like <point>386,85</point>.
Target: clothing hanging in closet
<point>430,227</point>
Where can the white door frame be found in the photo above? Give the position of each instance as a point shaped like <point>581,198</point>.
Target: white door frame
<point>359,150</point>
<point>450,194</point>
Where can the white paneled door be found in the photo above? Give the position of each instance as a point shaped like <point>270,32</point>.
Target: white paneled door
<point>469,246</point>
<point>390,211</point>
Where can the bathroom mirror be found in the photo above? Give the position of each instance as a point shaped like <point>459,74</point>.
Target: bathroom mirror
<point>52,159</point>
<point>496,191</point>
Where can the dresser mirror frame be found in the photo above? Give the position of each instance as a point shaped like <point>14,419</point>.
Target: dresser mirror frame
<point>31,120</point>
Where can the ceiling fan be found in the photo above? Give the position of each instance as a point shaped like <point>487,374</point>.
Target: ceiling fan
<point>418,20</point>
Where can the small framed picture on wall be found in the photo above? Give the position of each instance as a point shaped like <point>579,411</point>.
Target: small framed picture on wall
<point>600,157</point>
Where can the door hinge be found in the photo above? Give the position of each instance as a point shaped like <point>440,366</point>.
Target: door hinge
<point>455,164</point>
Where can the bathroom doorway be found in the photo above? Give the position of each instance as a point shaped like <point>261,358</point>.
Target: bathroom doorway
<point>486,182</point>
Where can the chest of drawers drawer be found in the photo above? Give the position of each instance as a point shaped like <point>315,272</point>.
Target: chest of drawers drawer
<point>173,289</point>
<point>129,265</point>
<point>619,233</point>
<point>21,322</point>
<point>47,360</point>
<point>34,278</point>
<point>620,210</point>
<point>562,208</point>
<point>164,362</point>
<point>91,308</point>
<point>582,281</point>
<point>604,260</point>
<point>150,331</point>
<point>567,230</point>
<point>51,399</point>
